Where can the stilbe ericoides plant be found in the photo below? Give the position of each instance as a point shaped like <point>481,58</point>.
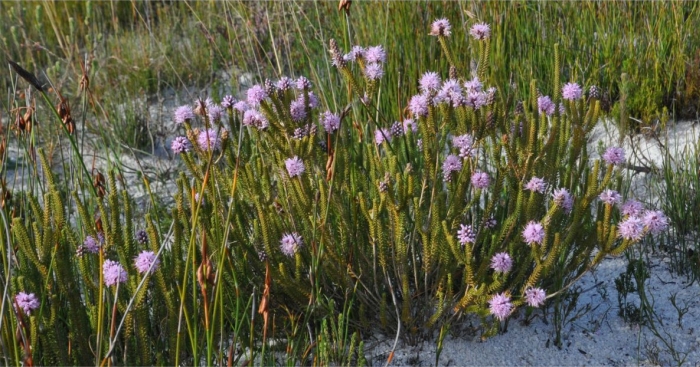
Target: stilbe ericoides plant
<point>289,208</point>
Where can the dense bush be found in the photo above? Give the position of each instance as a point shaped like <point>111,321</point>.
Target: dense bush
<point>287,207</point>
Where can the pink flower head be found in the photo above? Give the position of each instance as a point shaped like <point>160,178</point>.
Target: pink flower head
<point>631,228</point>
<point>355,53</point>
<point>614,155</point>
<point>563,198</point>
<point>480,31</point>
<point>533,233</point>
<point>183,114</point>
<point>295,166</point>
<point>571,91</point>
<point>181,145</point>
<point>113,273</point>
<point>382,135</point>
<point>241,106</point>
<point>632,208</point>
<point>441,27</point>
<point>501,262</point>
<point>480,180</point>
<point>474,100</point>
<point>256,119</point>
<point>500,306</point>
<point>208,140</point>
<point>418,105</point>
<point>375,54</point>
<point>330,121</point>
<point>302,83</point>
<point>535,297</point>
<point>473,86</point>
<point>290,243</point>
<point>373,71</point>
<point>214,112</point>
<point>545,105</point>
<point>144,261</point>
<point>256,94</point>
<point>228,101</point>
<point>284,83</point>
<point>27,302</point>
<point>466,234</point>
<point>90,245</point>
<point>655,221</point>
<point>452,163</point>
<point>610,197</point>
<point>463,141</point>
<point>429,82</point>
<point>536,184</point>
<point>297,110</point>
<point>409,124</point>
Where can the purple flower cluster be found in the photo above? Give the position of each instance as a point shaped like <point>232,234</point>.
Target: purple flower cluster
<point>631,228</point>
<point>451,164</point>
<point>214,112</point>
<point>480,31</point>
<point>330,121</point>
<point>419,105</point>
<point>473,86</point>
<point>563,199</point>
<point>241,106</point>
<point>655,221</point>
<point>373,71</point>
<point>500,306</point>
<point>355,53</point>
<point>181,145</point>
<point>480,180</point>
<point>501,262</point>
<point>145,260</point>
<point>284,84</point>
<point>90,245</point>
<point>256,119</point>
<point>183,114</point>
<point>610,197</point>
<point>256,94</point>
<point>533,233</point>
<point>571,91</point>
<point>429,82</point>
<point>297,110</point>
<point>614,156</point>
<point>535,297</point>
<point>536,184</point>
<point>545,105</point>
<point>632,208</point>
<point>228,101</point>
<point>27,302</point>
<point>465,144</point>
<point>441,27</point>
<point>466,234</point>
<point>290,244</point>
<point>208,140</point>
<point>409,125</point>
<point>302,83</point>
<point>295,166</point>
<point>113,273</point>
<point>374,54</point>
<point>382,135</point>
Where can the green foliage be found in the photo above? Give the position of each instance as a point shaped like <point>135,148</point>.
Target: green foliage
<point>255,252</point>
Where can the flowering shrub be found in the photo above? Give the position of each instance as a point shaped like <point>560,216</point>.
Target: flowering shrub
<point>465,206</point>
